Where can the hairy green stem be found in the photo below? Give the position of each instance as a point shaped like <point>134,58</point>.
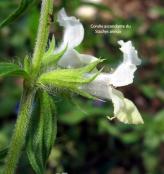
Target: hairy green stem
<point>43,31</point>
<point>18,138</point>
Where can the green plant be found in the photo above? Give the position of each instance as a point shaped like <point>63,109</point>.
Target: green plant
<point>62,69</point>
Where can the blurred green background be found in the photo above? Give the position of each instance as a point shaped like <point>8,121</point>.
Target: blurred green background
<point>87,143</point>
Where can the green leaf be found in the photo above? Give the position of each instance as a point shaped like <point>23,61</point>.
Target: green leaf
<point>11,69</point>
<point>129,113</point>
<point>42,132</point>
<point>24,4</point>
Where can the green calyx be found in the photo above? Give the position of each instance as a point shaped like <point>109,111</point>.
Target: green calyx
<point>50,57</point>
<point>69,78</point>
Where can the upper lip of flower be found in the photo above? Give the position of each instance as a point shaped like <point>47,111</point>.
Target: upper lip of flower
<point>73,31</point>
<point>73,36</point>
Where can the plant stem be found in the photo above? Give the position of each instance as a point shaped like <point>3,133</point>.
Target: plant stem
<point>18,138</point>
<point>43,31</point>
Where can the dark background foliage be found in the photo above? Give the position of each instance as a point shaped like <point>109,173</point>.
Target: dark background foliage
<point>87,143</point>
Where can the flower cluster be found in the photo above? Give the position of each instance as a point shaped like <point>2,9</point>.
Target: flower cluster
<point>78,72</point>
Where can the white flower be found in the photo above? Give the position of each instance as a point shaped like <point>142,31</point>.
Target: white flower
<point>73,36</point>
<point>103,86</point>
